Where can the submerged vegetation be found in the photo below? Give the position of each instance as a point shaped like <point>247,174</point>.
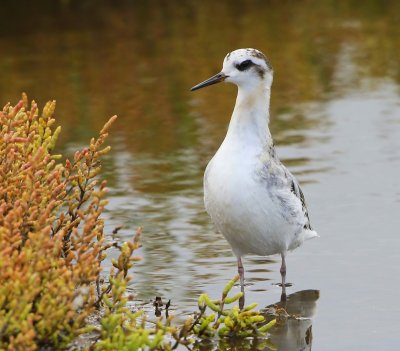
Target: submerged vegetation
<point>53,243</point>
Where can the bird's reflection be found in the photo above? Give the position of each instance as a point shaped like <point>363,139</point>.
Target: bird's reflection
<point>293,332</point>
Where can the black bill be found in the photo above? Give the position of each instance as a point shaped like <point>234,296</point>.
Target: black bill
<point>220,77</point>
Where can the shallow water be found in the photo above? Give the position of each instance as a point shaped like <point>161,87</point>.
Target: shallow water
<point>335,119</point>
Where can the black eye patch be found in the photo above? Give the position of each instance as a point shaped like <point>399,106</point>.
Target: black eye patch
<point>244,65</point>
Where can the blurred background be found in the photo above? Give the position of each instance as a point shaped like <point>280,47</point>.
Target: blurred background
<point>335,118</point>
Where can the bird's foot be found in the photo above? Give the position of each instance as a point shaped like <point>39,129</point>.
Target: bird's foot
<point>286,284</point>
<point>238,285</point>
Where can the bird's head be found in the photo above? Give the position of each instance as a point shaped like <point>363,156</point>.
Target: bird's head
<point>247,68</point>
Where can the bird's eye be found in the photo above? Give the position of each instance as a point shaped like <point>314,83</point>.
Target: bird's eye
<point>244,65</point>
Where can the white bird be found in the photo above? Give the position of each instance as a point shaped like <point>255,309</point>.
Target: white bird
<point>251,197</point>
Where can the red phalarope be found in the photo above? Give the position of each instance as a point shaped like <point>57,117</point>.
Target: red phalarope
<point>251,197</point>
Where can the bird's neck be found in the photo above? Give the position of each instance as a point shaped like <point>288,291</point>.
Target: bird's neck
<point>250,117</point>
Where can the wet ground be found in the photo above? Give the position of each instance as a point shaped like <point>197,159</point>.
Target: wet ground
<point>335,119</point>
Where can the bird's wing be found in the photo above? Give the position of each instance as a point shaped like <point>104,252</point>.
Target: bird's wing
<point>274,172</point>
<point>296,190</point>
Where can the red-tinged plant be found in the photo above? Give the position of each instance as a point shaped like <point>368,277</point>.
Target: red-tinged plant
<point>51,233</point>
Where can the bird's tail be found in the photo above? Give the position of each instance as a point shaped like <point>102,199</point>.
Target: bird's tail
<point>310,234</point>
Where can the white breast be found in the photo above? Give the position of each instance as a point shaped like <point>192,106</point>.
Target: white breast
<point>241,208</point>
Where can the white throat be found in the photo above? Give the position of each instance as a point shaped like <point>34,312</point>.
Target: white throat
<point>250,116</point>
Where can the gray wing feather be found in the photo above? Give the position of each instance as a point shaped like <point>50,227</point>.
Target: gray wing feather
<point>296,190</point>
<point>275,174</point>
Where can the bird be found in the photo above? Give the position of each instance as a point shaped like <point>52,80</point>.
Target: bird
<point>251,197</point>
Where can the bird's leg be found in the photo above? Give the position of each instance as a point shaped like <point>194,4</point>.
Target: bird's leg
<point>241,276</point>
<point>283,276</point>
